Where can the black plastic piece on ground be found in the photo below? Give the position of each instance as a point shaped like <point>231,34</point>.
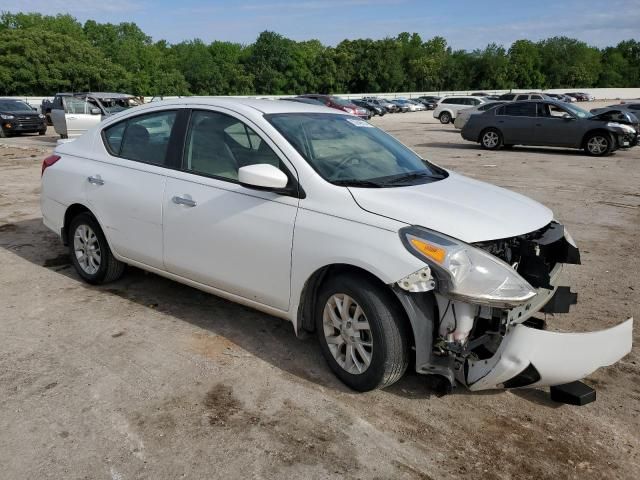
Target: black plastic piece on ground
<point>574,393</point>
<point>561,301</point>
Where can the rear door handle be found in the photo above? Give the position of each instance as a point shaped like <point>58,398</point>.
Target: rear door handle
<point>187,202</point>
<point>95,180</point>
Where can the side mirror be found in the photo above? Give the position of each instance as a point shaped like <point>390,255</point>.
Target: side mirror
<point>35,109</point>
<point>262,176</point>
<point>95,111</point>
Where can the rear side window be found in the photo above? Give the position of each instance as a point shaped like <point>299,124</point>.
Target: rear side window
<point>536,97</point>
<point>113,136</point>
<point>522,97</point>
<point>144,138</point>
<point>518,110</point>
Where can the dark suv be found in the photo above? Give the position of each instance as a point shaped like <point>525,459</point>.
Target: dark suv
<point>18,117</point>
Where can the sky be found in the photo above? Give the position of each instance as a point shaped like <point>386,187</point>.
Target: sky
<point>464,23</point>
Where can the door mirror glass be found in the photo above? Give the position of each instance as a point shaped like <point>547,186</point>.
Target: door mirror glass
<point>262,175</point>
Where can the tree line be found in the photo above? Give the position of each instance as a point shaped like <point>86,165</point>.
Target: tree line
<point>41,55</point>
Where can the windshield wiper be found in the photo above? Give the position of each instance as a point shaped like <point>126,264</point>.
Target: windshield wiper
<point>407,177</point>
<point>357,183</point>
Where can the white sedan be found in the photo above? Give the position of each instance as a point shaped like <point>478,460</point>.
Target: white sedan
<point>316,216</point>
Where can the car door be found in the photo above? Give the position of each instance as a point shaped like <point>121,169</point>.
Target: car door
<point>556,126</point>
<point>78,115</point>
<point>218,232</point>
<point>125,187</point>
<point>516,121</point>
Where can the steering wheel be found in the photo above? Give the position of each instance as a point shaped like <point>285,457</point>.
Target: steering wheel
<point>338,168</point>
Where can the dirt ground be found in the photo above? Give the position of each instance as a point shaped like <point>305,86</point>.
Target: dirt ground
<point>146,378</point>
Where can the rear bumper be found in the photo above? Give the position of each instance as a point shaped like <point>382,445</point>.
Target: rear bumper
<point>543,358</point>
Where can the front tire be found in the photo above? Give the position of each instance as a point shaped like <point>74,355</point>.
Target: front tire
<point>90,252</point>
<point>598,144</point>
<point>491,139</point>
<point>445,117</point>
<point>362,332</point>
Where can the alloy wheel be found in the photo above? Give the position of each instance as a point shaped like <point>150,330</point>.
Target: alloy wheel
<point>87,249</point>
<point>490,139</point>
<point>347,333</point>
<point>597,145</point>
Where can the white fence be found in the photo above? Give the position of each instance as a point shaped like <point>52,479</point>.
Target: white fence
<point>599,93</point>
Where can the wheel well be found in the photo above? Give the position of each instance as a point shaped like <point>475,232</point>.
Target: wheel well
<point>312,287</point>
<point>69,215</point>
<point>606,133</point>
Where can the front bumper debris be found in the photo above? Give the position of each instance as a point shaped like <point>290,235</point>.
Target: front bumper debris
<point>543,358</point>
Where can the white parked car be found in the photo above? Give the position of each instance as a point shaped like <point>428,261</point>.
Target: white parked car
<point>463,115</point>
<point>316,216</point>
<point>448,107</point>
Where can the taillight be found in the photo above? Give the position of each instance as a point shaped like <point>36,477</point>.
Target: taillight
<point>47,162</point>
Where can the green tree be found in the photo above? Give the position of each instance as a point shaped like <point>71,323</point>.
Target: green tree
<point>525,65</point>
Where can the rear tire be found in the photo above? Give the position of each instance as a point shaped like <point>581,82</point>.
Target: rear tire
<point>445,117</point>
<point>598,144</point>
<point>90,252</point>
<point>491,139</point>
<point>3,134</point>
<point>342,333</point>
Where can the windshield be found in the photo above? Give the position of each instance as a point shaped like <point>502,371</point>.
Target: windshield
<point>346,150</point>
<point>577,111</point>
<point>15,106</point>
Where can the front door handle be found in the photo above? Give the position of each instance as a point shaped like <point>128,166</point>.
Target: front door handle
<point>95,180</point>
<point>187,202</point>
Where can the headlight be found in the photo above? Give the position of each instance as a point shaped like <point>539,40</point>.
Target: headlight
<point>40,116</point>
<point>7,117</point>
<point>466,272</point>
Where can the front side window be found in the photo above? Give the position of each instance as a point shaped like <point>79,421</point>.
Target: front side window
<point>552,111</point>
<point>144,138</point>
<point>522,97</point>
<point>218,145</point>
<point>349,151</point>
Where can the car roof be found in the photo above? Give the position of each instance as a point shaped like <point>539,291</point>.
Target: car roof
<point>259,105</point>
<point>104,94</point>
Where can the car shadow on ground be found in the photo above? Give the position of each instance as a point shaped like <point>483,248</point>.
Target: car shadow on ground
<point>269,338</point>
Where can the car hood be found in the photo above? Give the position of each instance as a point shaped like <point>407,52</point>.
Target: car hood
<point>20,113</point>
<point>457,206</point>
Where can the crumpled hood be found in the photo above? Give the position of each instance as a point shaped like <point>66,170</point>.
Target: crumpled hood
<point>458,206</point>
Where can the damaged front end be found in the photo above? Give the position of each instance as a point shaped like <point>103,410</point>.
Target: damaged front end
<point>477,325</point>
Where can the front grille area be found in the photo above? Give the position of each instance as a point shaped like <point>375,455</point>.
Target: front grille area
<point>28,122</point>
